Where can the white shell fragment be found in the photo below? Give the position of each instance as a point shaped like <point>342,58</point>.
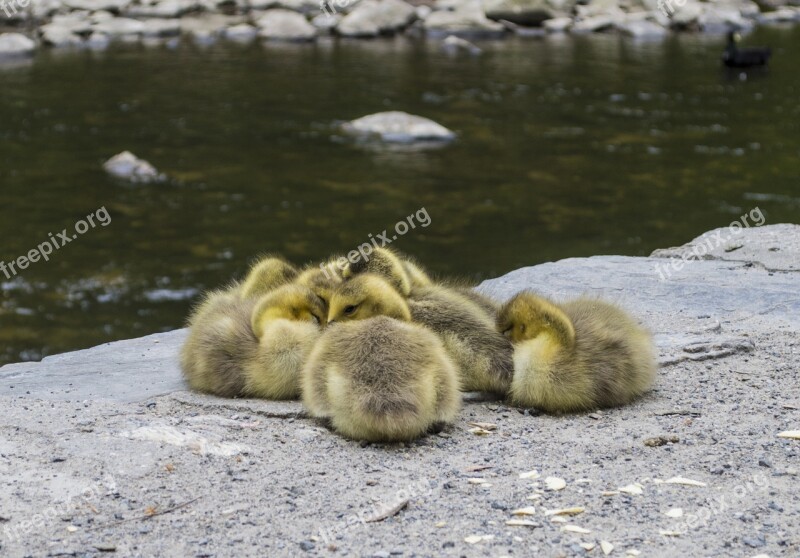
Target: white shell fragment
<point>521,523</point>
<point>684,481</point>
<point>588,547</point>
<point>479,431</point>
<point>565,511</point>
<point>530,510</point>
<point>558,519</point>
<point>477,481</point>
<point>530,475</point>
<point>664,533</point>
<point>632,489</point>
<point>674,513</point>
<point>793,434</point>
<point>633,552</point>
<point>484,425</point>
<point>472,539</point>
<point>555,483</point>
<point>607,547</point>
<point>576,529</point>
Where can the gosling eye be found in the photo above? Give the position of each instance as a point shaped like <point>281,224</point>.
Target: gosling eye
<point>348,310</point>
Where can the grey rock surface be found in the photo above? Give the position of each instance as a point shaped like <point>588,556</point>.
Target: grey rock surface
<point>104,449</point>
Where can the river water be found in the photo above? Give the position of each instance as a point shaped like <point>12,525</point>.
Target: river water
<point>567,146</point>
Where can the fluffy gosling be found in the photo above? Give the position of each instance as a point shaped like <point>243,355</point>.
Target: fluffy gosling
<point>483,357</point>
<point>249,347</point>
<point>287,323</point>
<point>577,356</point>
<point>265,275</point>
<point>381,380</point>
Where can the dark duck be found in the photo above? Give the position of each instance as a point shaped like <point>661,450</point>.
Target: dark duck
<point>735,57</point>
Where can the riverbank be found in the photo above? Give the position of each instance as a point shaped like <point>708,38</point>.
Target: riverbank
<point>103,450</point>
<point>33,24</point>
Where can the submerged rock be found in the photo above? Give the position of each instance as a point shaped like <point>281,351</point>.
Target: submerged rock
<point>242,32</point>
<point>285,25</point>
<point>373,17</point>
<point>466,20</point>
<point>558,24</point>
<point>642,29</point>
<point>59,36</point>
<point>454,45</point>
<point>127,166</point>
<point>119,27</point>
<point>15,44</point>
<point>397,126</point>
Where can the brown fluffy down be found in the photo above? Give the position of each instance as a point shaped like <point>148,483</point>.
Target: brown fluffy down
<point>576,356</point>
<point>381,379</point>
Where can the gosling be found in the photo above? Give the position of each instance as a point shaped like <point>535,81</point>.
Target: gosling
<point>577,356</point>
<point>287,323</point>
<point>220,341</point>
<point>483,357</point>
<point>249,347</point>
<point>265,275</point>
<point>381,380</point>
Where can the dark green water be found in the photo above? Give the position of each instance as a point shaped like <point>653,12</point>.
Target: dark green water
<point>567,147</point>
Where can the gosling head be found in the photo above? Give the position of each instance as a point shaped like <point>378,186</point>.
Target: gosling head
<point>526,316</point>
<point>365,296</point>
<point>322,280</point>
<point>266,274</point>
<point>289,302</point>
<point>384,262</point>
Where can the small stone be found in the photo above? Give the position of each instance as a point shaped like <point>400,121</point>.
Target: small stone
<point>764,463</point>
<point>307,545</point>
<point>756,541</point>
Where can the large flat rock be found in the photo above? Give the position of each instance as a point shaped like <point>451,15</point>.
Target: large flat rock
<point>93,443</point>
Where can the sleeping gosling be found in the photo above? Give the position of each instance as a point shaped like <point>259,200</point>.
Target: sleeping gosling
<point>286,323</point>
<point>223,355</point>
<point>482,355</point>
<point>576,356</point>
<point>265,275</point>
<point>381,380</point>
<point>220,340</point>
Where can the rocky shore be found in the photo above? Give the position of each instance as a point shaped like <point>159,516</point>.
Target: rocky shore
<point>31,24</point>
<point>104,451</point>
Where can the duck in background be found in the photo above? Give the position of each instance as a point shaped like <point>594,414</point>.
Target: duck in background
<point>735,57</point>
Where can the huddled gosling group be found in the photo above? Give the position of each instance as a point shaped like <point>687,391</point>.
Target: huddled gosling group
<point>382,352</point>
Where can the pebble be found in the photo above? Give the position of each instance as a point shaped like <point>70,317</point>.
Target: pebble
<point>756,541</point>
<point>307,545</point>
